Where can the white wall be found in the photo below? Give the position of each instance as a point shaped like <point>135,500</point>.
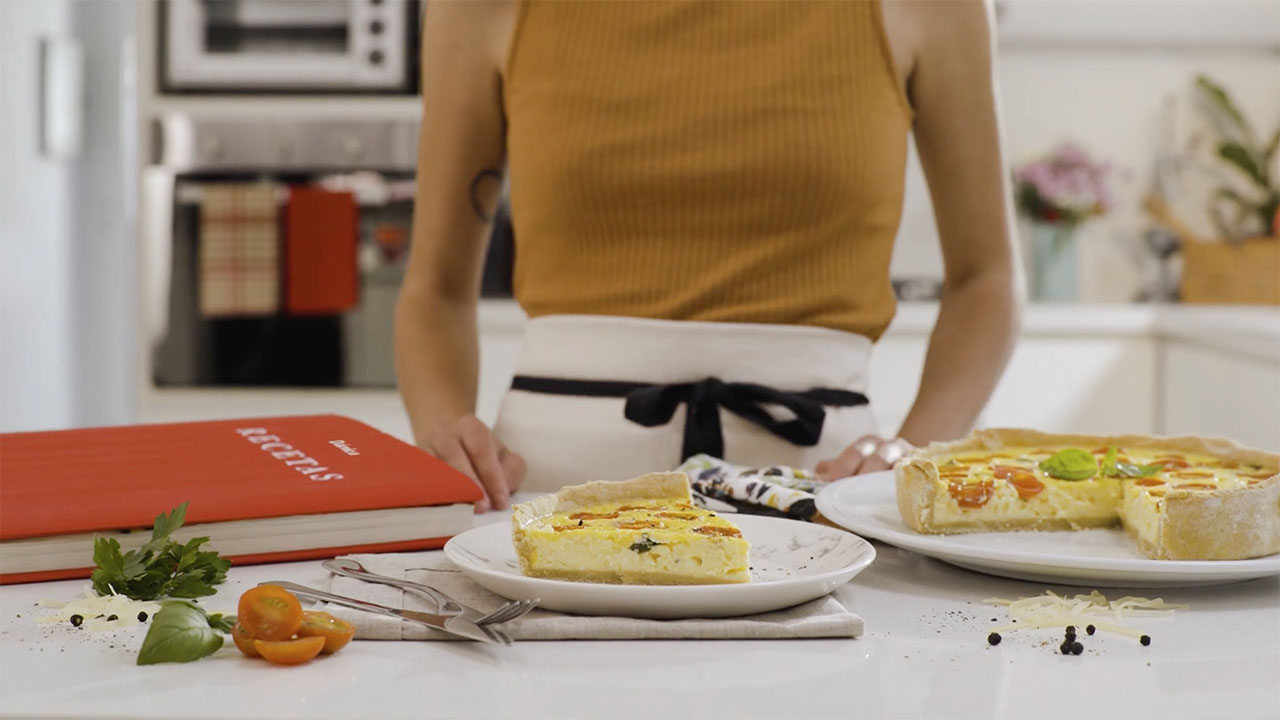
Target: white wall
<point>36,336</point>
<point>1110,99</point>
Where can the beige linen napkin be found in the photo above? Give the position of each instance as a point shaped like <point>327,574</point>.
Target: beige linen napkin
<point>825,617</point>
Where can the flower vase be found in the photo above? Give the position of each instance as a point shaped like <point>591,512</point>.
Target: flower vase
<point>1053,263</point>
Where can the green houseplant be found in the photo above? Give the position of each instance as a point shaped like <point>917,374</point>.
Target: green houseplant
<point>1250,208</point>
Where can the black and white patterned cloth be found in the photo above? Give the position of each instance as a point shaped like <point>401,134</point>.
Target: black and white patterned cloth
<point>780,491</point>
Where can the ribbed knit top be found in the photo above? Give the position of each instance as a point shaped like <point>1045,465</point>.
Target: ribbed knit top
<point>706,160</point>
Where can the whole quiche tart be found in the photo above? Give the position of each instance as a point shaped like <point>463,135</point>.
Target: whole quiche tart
<point>643,531</point>
<point>1179,498</point>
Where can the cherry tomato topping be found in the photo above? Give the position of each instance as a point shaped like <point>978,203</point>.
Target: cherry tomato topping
<point>289,652</point>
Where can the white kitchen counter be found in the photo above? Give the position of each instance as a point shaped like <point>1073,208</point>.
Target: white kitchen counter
<point>1257,325</point>
<point>924,655</point>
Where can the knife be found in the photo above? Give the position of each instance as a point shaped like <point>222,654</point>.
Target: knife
<point>450,624</point>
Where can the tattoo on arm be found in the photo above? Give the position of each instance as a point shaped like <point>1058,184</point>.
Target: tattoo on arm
<point>484,187</point>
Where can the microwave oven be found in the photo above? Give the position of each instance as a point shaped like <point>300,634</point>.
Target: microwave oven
<point>289,46</point>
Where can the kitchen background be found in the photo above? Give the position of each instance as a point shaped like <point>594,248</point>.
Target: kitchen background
<point>176,176</point>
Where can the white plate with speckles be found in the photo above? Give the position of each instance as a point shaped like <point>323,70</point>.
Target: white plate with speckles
<point>792,562</point>
<point>1105,557</point>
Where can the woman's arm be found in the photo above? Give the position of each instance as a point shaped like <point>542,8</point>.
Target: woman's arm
<point>461,158</point>
<point>957,134</point>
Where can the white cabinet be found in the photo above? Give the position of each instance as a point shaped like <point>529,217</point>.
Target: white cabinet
<point>1164,23</point>
<point>1211,392</point>
<point>1094,385</point>
<point>499,351</point>
<point>1086,384</point>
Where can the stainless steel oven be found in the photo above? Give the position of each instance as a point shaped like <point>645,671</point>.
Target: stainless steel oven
<point>370,160</point>
<point>247,46</point>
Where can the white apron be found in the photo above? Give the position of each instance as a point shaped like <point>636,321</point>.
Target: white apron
<point>570,439</point>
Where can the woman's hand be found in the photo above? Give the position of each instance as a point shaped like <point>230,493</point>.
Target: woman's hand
<point>869,453</point>
<point>470,447</point>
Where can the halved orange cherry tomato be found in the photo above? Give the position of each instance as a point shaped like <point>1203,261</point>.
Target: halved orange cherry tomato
<point>336,633</point>
<point>1027,487</point>
<point>289,652</point>
<point>269,612</point>
<point>1005,472</point>
<point>243,640</point>
<point>1148,482</point>
<point>1022,480</point>
<point>972,495</point>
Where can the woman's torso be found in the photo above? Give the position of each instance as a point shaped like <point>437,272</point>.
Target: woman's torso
<point>714,161</point>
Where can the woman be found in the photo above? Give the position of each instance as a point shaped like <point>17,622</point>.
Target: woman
<point>704,196</point>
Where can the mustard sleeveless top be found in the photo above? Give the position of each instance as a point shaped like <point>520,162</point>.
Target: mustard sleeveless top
<point>706,160</point>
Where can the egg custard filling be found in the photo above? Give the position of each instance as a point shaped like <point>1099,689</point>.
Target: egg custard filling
<point>643,531</point>
<point>1179,498</point>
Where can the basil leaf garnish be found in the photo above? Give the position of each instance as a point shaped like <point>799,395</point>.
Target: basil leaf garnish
<point>1108,468</point>
<point>179,632</point>
<point>1070,464</point>
<point>1134,470</point>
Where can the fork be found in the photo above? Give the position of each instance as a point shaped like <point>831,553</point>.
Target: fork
<point>512,610</point>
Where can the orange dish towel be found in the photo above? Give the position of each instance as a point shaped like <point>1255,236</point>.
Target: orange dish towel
<point>239,250</point>
<point>321,276</point>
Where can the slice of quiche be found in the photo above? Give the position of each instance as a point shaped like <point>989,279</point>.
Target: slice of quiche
<point>1183,498</point>
<point>643,531</point>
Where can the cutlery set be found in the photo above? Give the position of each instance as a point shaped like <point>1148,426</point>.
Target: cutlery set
<point>451,616</point>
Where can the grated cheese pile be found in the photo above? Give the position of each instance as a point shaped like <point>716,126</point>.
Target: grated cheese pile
<point>96,609</point>
<point>1053,610</point>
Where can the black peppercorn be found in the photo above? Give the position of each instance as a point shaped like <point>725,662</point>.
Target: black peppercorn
<point>1065,648</point>
<point>1076,648</point>
<point>1071,629</point>
<point>142,616</point>
<point>77,619</point>
<point>1090,629</point>
<point>111,618</point>
<point>1145,639</point>
<point>993,639</point>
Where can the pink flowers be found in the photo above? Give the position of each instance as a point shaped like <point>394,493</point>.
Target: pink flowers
<point>1065,187</point>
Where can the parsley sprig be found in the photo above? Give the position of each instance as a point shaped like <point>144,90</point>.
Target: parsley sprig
<point>162,567</point>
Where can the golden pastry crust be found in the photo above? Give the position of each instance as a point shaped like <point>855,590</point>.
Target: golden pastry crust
<point>1223,524</point>
<point>685,546</point>
<point>1219,524</point>
<point>997,438</point>
<point>654,486</point>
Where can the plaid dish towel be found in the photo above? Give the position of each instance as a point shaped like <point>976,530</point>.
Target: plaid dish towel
<point>239,250</point>
<point>779,491</point>
<point>826,617</point>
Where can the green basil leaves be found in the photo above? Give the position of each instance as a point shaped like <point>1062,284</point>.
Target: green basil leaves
<point>1111,468</point>
<point>1070,464</point>
<point>644,544</point>
<point>181,632</point>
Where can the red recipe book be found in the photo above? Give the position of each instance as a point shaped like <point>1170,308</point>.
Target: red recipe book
<point>262,489</point>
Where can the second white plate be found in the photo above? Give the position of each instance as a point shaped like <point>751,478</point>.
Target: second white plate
<point>792,562</point>
<point>866,505</point>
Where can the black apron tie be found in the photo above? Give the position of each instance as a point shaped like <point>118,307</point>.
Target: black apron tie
<point>651,405</point>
